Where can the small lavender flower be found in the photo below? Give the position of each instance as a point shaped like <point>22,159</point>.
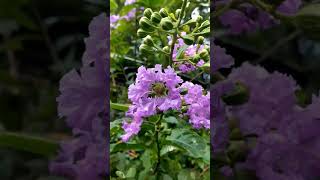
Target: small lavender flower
<point>130,15</point>
<point>128,2</point>
<point>114,20</point>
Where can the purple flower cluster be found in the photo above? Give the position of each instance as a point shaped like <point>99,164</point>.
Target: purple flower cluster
<point>153,91</point>
<point>287,136</point>
<point>198,105</point>
<point>82,103</point>
<point>157,90</point>
<point>248,18</point>
<point>189,52</point>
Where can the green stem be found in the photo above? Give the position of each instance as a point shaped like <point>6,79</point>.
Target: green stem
<point>158,123</point>
<point>174,37</point>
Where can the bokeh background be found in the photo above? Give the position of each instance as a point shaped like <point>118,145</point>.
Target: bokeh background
<point>39,42</point>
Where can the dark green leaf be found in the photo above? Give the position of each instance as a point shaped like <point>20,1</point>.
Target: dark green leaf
<point>120,107</point>
<point>189,141</point>
<point>29,143</point>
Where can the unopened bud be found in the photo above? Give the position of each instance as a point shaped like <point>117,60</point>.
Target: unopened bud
<point>199,19</point>
<point>156,18</point>
<point>166,49</point>
<point>163,12</point>
<point>166,24</point>
<point>145,24</point>
<point>145,49</point>
<point>204,54</point>
<point>148,40</point>
<point>147,12</point>
<point>200,40</point>
<point>142,33</point>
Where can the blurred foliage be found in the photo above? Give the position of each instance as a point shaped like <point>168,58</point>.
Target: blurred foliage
<point>39,42</point>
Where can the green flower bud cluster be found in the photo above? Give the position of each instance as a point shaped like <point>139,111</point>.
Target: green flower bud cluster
<point>150,22</point>
<point>153,20</point>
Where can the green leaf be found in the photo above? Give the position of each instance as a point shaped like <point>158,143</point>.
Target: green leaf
<point>120,174</point>
<point>189,141</point>
<point>185,175</point>
<point>166,149</point>
<point>120,107</point>
<point>308,20</point>
<point>125,147</point>
<point>166,177</point>
<point>171,119</point>
<point>113,5</point>
<point>131,172</point>
<point>181,51</point>
<point>29,143</point>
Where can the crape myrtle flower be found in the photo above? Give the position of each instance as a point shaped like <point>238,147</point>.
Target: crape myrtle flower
<point>198,105</point>
<point>287,136</point>
<point>82,101</point>
<point>248,18</point>
<point>220,131</point>
<point>83,94</point>
<point>83,157</point>
<point>291,152</point>
<point>154,90</point>
<point>272,99</point>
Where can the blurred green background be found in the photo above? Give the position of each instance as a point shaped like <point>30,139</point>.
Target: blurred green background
<point>39,42</point>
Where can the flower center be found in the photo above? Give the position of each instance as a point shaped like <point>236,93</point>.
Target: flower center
<point>158,89</point>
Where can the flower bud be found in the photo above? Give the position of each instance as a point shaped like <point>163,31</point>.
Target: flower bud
<point>184,109</point>
<point>199,19</point>
<point>177,13</point>
<point>142,33</point>
<point>145,49</point>
<point>200,40</point>
<point>204,54</point>
<point>163,12</point>
<point>156,17</point>
<point>145,24</point>
<point>183,91</point>
<point>147,12</point>
<point>148,40</point>
<point>188,39</point>
<point>166,49</point>
<point>196,58</point>
<point>166,24</point>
